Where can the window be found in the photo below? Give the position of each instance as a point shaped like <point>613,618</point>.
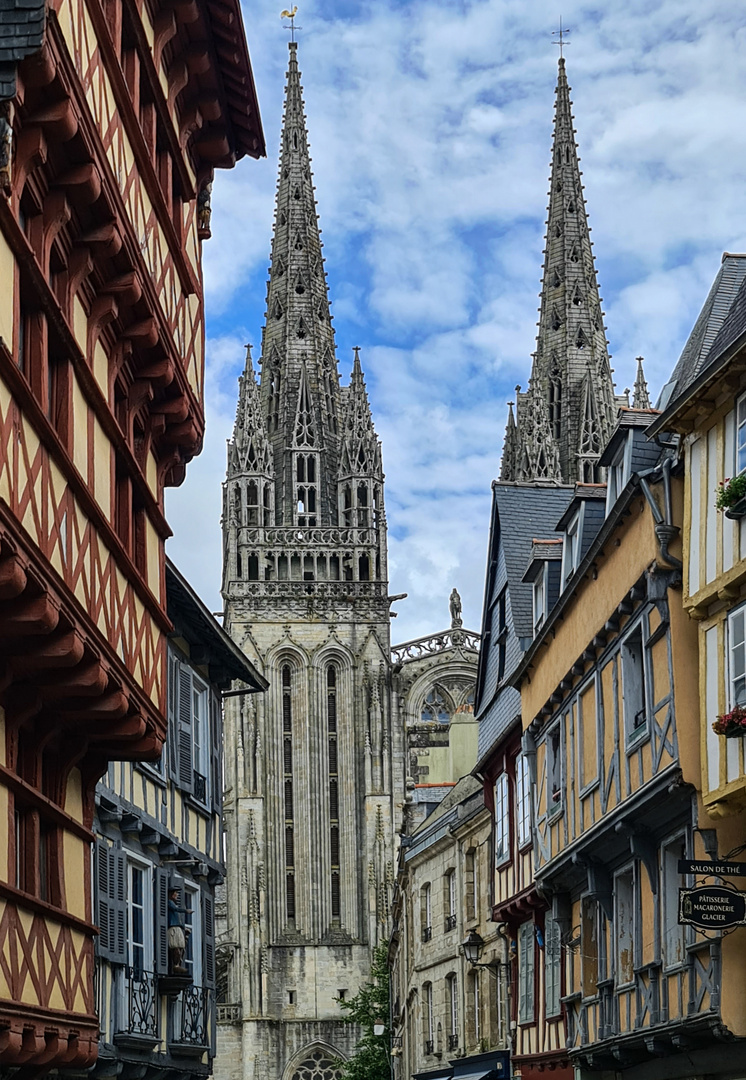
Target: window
<point>201,737</point>
<point>619,472</point>
<point>193,950</point>
<point>624,929</point>
<point>470,882</point>
<point>523,799</point>
<point>287,749</point>
<point>192,757</point>
<point>552,966</point>
<point>426,912</point>
<point>737,656</point>
<point>540,598</point>
<point>140,919</point>
<point>331,719</point>
<point>525,972</point>
<point>673,933</point>
<point>450,900</point>
<point>554,769</point>
<point>306,488</point>
<point>435,708</point>
<point>476,1005</point>
<point>571,549</point>
<point>502,820</point>
<point>589,941</point>
<point>452,1006</point>
<point>428,1021</point>
<point>633,683</point>
<point>741,434</point>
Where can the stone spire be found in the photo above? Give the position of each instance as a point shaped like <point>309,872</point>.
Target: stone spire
<point>300,380</point>
<point>641,397</point>
<point>249,450</point>
<point>571,347</point>
<point>510,446</point>
<point>537,456</point>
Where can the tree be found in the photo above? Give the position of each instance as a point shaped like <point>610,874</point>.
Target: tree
<point>370,1005</point>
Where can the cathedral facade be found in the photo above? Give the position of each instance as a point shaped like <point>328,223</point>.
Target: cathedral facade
<point>315,771</point>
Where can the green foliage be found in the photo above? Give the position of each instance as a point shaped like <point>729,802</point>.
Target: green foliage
<point>730,491</point>
<point>371,1058</point>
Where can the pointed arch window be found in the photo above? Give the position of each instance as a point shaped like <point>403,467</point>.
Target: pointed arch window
<point>252,503</point>
<point>306,489</point>
<point>296,193</point>
<point>287,758</point>
<point>567,155</point>
<point>580,339</point>
<point>577,296</point>
<point>295,140</point>
<point>571,206</point>
<point>435,708</point>
<point>363,507</point>
<point>300,331</point>
<point>277,312</point>
<point>300,288</point>
<point>282,219</point>
<point>556,321</point>
<point>558,230</point>
<point>279,268</point>
<point>334,845</point>
<point>556,280</point>
<point>347,506</point>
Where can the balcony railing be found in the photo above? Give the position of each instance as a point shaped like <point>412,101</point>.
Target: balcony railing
<point>453,1042</point>
<point>427,933</point>
<point>192,1016</point>
<point>429,1046</point>
<point>450,922</point>
<point>138,1013</point>
<point>228,1014</point>
<point>200,787</point>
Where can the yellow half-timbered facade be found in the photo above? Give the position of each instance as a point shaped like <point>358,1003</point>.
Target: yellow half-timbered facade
<point>609,698</point>
<point>113,116</point>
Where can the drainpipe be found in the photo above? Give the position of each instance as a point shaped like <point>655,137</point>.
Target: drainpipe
<point>665,531</point>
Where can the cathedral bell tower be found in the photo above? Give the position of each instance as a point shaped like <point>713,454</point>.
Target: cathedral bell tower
<point>310,767</point>
<point>563,420</point>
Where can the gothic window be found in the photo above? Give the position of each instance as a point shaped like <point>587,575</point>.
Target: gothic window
<point>321,313</point>
<point>287,754</point>
<point>556,321</point>
<point>329,397</point>
<point>363,510</point>
<point>577,296</point>
<point>283,219</point>
<point>252,503</point>
<point>571,206</point>
<point>556,280</point>
<point>274,400</point>
<point>299,286</point>
<point>295,140</point>
<point>277,310</point>
<point>267,501</point>
<point>558,230</point>
<point>300,333</point>
<point>363,567</point>
<point>253,568</point>
<point>434,708</point>
<point>279,270</point>
<point>317,1067</point>
<point>567,155</point>
<point>555,400</point>
<point>347,506</point>
<point>296,193</point>
<point>304,426</point>
<point>580,340</point>
<point>558,186</point>
<point>331,721</point>
<point>306,489</point>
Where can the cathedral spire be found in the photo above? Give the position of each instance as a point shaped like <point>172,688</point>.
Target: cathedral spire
<point>641,397</point>
<point>299,366</point>
<point>249,451</point>
<point>571,340</point>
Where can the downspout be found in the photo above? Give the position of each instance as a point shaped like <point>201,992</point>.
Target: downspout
<point>666,532</point>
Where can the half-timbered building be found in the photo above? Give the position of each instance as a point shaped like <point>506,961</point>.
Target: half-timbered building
<point>609,696</point>
<point>159,829</point>
<point>705,413</point>
<point>112,119</point>
<point>509,897</point>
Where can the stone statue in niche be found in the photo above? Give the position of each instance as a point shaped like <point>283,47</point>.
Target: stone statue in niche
<point>454,605</point>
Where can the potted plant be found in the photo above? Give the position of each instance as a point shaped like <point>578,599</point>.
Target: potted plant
<point>731,496</point>
<point>731,724</point>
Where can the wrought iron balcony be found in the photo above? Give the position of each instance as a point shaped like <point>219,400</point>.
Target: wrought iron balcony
<point>450,922</point>
<point>429,1046</point>
<point>453,1042</point>
<point>137,1011</point>
<point>191,1020</point>
<point>427,933</point>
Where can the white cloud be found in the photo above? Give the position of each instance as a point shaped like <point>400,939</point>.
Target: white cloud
<point>430,123</point>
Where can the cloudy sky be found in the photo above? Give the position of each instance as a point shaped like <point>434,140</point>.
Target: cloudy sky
<point>430,126</point>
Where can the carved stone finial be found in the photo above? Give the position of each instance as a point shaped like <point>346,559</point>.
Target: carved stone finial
<point>454,605</point>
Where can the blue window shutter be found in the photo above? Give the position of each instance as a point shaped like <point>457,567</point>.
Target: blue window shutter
<point>160,928</point>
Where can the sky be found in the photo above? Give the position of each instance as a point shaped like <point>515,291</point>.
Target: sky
<point>430,125</point>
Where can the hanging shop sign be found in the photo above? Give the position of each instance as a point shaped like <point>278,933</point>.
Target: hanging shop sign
<point>714,869</point>
<point>712,908</point>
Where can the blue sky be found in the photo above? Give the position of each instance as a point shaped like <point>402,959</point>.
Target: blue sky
<point>430,128</point>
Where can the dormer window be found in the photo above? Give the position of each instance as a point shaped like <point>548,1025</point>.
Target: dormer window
<point>571,549</point>
<point>619,472</point>
<point>540,598</point>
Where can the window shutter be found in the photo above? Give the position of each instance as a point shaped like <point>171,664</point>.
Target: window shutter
<point>216,725</point>
<point>173,709</point>
<point>185,770</point>
<point>208,932</point>
<point>118,886</point>
<point>104,915</point>
<point>161,922</point>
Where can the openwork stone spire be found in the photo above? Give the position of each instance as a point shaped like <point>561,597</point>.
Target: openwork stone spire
<point>537,456</point>
<point>249,450</point>
<point>641,397</point>
<point>572,357</point>
<point>300,380</point>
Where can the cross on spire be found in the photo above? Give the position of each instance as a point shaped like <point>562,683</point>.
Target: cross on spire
<point>560,35</point>
<point>291,15</point>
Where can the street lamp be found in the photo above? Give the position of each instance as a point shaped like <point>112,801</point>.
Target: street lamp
<point>472,949</point>
<point>378,1026</point>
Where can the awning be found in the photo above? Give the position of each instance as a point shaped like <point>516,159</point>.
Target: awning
<point>496,1066</point>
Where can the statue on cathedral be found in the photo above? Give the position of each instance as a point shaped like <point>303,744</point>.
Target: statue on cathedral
<point>454,604</point>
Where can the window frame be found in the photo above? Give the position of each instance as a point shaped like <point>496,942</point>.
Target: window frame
<point>523,800</point>
<point>552,967</point>
<point>573,530</point>
<point>739,428</point>
<point>554,765</point>
<point>502,830</point>
<point>539,597</point>
<point>146,907</point>
<point>737,612</point>
<point>526,949</point>
<point>625,925</point>
<point>636,734</point>
<point>670,885</point>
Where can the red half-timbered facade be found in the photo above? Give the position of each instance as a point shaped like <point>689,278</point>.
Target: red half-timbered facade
<point>113,116</point>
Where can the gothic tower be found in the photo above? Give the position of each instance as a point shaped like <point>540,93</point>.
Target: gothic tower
<point>563,420</point>
<point>311,766</point>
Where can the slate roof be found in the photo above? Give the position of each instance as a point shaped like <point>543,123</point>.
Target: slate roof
<point>21,34</point>
<point>525,512</point>
<point>720,322</point>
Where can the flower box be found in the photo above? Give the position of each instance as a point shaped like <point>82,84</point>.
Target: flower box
<point>731,495</point>
<point>731,724</point>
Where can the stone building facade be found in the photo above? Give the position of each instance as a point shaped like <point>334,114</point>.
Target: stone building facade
<point>315,769</point>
